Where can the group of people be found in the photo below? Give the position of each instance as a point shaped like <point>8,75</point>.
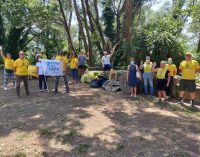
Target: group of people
<point>17,71</point>
<point>164,77</point>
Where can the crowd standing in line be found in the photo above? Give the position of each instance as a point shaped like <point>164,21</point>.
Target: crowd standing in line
<point>18,70</point>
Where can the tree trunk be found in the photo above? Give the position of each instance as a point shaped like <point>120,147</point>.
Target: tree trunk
<point>92,27</point>
<point>198,46</point>
<point>128,20</point>
<point>98,23</point>
<point>118,27</point>
<point>81,29</point>
<point>87,32</point>
<point>71,47</point>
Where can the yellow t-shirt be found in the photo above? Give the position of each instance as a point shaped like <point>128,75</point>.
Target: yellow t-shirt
<point>172,69</point>
<point>21,66</point>
<point>148,67</point>
<point>189,69</point>
<point>9,63</point>
<point>44,56</point>
<point>64,60</point>
<point>74,63</point>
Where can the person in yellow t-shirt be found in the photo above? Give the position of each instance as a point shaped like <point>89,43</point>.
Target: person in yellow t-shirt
<point>42,54</point>
<point>63,58</point>
<point>189,68</point>
<point>173,71</point>
<point>21,69</point>
<point>163,80</point>
<point>8,69</point>
<point>74,67</point>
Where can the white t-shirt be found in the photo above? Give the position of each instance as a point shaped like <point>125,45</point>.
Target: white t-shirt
<point>106,59</point>
<point>39,66</point>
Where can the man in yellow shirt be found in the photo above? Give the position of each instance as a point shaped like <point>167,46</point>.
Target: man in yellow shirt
<point>74,67</point>
<point>8,69</point>
<point>21,69</point>
<point>172,71</point>
<point>189,68</point>
<point>64,60</point>
<point>42,54</point>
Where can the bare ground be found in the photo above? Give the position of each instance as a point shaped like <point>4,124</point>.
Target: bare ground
<point>94,123</point>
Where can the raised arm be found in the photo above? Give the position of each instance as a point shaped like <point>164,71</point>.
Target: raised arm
<point>113,50</point>
<point>1,52</point>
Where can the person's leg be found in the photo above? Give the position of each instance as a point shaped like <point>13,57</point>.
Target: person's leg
<point>25,80</point>
<point>45,82</point>
<point>171,87</point>
<point>66,83</point>
<point>192,89</point>
<point>145,86</point>
<point>13,77</point>
<point>159,95</point>
<point>182,88</point>
<point>132,91</point>
<point>56,84</point>
<point>76,75</point>
<point>73,75</point>
<point>151,86</point>
<point>40,82</point>
<point>135,91</point>
<point>164,95</point>
<point>19,78</point>
<point>5,80</point>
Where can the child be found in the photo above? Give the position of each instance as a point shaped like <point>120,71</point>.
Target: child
<point>74,67</point>
<point>42,78</point>
<point>163,80</point>
<point>132,77</point>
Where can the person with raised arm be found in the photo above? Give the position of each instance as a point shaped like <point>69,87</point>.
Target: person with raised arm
<point>8,69</point>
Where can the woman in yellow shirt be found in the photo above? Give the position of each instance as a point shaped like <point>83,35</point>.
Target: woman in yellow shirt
<point>8,69</point>
<point>74,67</point>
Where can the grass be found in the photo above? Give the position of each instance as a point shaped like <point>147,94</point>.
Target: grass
<point>82,148</point>
<point>119,146</point>
<point>69,136</point>
<point>20,154</point>
<point>45,132</point>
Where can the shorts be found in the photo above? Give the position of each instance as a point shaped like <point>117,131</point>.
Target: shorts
<point>161,84</point>
<point>189,85</point>
<point>81,67</point>
<point>107,67</point>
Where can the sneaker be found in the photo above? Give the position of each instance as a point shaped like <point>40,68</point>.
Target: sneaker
<point>131,95</point>
<point>135,96</point>
<point>41,90</point>
<point>192,103</point>
<point>5,88</point>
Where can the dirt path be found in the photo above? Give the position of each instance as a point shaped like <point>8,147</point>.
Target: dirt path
<point>93,123</point>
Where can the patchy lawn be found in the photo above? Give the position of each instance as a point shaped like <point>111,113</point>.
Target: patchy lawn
<point>94,123</point>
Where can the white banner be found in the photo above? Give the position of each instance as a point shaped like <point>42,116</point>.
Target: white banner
<point>52,67</point>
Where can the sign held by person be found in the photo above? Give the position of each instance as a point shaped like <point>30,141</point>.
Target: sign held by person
<point>52,67</point>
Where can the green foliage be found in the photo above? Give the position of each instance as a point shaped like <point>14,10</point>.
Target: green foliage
<point>82,148</point>
<point>108,18</point>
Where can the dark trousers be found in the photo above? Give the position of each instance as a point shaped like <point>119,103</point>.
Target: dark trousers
<point>169,89</point>
<point>25,80</point>
<point>57,82</point>
<point>42,79</point>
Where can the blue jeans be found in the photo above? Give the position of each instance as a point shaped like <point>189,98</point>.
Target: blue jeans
<point>148,81</point>
<point>75,74</point>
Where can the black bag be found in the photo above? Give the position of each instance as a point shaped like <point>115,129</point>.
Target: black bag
<point>94,84</point>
